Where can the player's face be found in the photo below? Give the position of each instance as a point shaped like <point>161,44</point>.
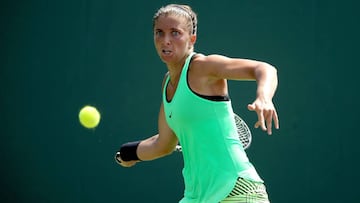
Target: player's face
<point>172,38</point>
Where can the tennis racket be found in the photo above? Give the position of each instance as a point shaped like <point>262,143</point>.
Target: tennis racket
<point>243,132</point>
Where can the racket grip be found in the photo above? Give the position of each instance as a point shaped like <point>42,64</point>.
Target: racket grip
<point>178,148</point>
<point>117,158</point>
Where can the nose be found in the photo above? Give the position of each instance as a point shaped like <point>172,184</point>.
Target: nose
<point>167,40</point>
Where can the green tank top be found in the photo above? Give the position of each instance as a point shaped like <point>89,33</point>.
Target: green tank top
<point>213,155</point>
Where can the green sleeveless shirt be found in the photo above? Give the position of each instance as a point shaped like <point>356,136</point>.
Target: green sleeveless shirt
<point>213,155</point>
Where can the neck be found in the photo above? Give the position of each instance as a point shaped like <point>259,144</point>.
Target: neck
<point>174,78</point>
<point>175,70</point>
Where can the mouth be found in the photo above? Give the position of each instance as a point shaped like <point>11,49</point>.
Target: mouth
<point>166,52</point>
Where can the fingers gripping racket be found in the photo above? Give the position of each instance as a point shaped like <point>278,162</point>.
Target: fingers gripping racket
<point>243,132</point>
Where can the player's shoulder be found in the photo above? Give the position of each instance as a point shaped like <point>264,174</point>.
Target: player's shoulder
<point>212,60</point>
<point>208,59</point>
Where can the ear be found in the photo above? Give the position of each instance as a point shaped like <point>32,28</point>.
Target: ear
<point>193,39</point>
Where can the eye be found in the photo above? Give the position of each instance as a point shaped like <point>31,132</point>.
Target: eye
<point>175,33</point>
<point>159,33</point>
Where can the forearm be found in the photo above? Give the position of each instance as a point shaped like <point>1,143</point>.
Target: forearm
<point>150,149</point>
<point>267,81</point>
<point>144,150</point>
<point>153,147</point>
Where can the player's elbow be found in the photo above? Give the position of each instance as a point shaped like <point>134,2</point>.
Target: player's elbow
<point>270,68</point>
<point>265,71</point>
<point>168,151</point>
<point>165,150</point>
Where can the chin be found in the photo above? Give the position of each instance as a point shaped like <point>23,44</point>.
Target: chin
<point>166,58</point>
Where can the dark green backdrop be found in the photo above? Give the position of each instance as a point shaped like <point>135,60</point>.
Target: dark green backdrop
<point>57,56</point>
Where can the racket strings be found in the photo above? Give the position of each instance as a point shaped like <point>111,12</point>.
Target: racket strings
<point>243,131</point>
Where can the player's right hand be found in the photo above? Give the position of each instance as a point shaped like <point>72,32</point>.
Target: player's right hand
<point>123,163</point>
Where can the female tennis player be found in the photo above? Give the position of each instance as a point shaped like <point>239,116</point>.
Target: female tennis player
<point>197,112</point>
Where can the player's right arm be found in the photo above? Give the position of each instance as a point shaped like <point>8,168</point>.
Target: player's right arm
<point>162,143</point>
<point>154,147</point>
<point>158,145</point>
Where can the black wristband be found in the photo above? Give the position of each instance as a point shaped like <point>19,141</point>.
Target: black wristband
<point>128,151</point>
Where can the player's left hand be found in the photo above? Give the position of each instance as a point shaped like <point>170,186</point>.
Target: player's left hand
<point>266,113</point>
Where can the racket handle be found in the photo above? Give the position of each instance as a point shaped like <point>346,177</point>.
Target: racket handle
<point>117,158</point>
<point>178,148</point>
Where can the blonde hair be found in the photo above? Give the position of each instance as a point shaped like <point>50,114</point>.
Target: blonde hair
<point>181,10</point>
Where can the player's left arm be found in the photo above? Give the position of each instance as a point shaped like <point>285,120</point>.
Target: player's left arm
<point>221,67</point>
<point>267,81</point>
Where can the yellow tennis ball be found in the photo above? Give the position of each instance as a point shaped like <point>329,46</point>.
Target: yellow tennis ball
<point>89,117</point>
